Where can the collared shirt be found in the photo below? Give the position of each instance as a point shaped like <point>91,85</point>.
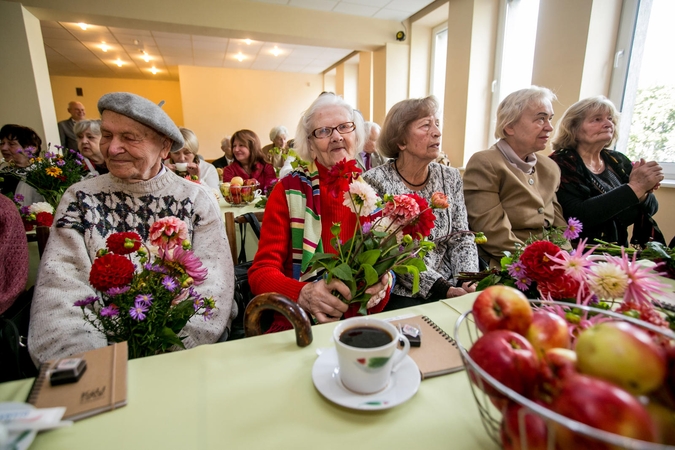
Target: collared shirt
<point>513,159</point>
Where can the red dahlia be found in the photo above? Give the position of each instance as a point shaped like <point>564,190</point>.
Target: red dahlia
<point>340,175</point>
<point>117,242</point>
<point>421,225</point>
<point>109,271</point>
<point>537,265</point>
<point>559,286</point>
<point>44,219</point>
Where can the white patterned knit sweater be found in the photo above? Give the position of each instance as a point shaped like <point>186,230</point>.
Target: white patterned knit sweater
<point>92,210</point>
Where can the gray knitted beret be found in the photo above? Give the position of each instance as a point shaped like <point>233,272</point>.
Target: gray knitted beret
<point>144,111</point>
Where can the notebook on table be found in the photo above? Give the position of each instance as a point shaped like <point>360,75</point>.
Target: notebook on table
<point>438,353</point>
<point>102,387</point>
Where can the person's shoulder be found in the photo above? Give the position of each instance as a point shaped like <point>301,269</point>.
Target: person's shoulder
<point>449,170</point>
<point>380,172</point>
<point>483,155</point>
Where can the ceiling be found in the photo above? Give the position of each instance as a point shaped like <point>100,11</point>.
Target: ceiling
<point>73,51</point>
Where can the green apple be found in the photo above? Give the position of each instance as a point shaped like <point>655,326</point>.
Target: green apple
<point>623,354</point>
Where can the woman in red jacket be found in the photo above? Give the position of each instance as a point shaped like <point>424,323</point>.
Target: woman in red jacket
<point>299,215</point>
<point>249,161</point>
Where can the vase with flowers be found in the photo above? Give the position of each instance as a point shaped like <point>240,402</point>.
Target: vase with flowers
<point>148,308</point>
<point>40,214</point>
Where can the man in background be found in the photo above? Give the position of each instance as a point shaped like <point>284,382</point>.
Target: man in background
<point>66,133</point>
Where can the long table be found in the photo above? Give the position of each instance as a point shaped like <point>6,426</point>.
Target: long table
<point>258,393</point>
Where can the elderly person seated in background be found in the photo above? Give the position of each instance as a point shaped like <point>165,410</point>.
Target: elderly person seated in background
<point>227,158</point>
<point>137,137</point>
<point>205,172</point>
<point>300,213</point>
<point>88,133</point>
<point>18,144</point>
<point>598,186</point>
<point>249,161</point>
<point>274,152</point>
<point>509,189</point>
<point>369,157</point>
<point>411,136</point>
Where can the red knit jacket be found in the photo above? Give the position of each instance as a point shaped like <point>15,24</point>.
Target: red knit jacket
<point>272,268</point>
<point>263,173</point>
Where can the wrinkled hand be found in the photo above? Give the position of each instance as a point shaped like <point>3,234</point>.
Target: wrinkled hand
<point>465,289</point>
<point>645,177</point>
<point>193,169</point>
<point>316,298</point>
<point>378,291</point>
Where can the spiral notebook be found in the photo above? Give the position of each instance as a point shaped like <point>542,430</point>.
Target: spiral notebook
<point>103,386</point>
<point>437,354</point>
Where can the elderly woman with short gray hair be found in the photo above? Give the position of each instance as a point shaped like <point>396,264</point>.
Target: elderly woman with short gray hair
<point>411,136</point>
<point>88,133</point>
<point>510,191</point>
<point>274,152</point>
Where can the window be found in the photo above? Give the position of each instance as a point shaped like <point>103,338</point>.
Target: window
<point>643,82</point>
<point>439,52</point>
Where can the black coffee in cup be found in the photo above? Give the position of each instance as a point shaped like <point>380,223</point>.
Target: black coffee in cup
<point>365,337</point>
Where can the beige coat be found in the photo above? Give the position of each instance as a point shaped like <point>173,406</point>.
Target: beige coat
<point>507,204</point>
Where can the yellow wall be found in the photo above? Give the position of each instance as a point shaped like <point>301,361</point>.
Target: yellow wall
<point>217,102</point>
<point>63,89</point>
<point>666,215</point>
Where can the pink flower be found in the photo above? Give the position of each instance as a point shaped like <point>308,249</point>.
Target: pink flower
<point>401,209</point>
<point>168,232</point>
<point>574,264</point>
<point>439,200</point>
<point>642,282</point>
<point>187,259</point>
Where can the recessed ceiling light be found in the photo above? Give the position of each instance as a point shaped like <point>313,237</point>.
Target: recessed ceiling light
<point>276,51</point>
<point>154,70</point>
<point>248,41</point>
<point>146,57</point>
<point>119,62</point>
<point>84,26</point>
<point>240,57</point>
<point>104,47</point>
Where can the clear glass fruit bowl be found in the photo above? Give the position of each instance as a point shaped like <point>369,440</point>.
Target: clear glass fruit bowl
<point>240,195</point>
<point>466,333</point>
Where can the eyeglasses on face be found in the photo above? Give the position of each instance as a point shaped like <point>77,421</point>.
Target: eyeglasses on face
<point>324,132</point>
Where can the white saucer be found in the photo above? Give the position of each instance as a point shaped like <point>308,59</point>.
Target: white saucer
<point>402,386</point>
<point>21,440</point>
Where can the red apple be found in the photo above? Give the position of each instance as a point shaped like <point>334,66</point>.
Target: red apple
<point>250,182</point>
<point>601,405</point>
<point>664,419</point>
<point>536,431</point>
<point>509,358</point>
<point>236,181</point>
<point>547,331</point>
<point>623,354</point>
<point>556,365</point>
<point>502,308</point>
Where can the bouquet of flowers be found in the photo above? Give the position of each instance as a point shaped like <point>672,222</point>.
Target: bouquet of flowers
<point>542,269</point>
<point>149,308</point>
<point>652,251</point>
<point>50,174</point>
<point>37,214</point>
<point>390,234</point>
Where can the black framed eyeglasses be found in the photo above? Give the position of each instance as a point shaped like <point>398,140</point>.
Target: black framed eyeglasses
<point>324,132</point>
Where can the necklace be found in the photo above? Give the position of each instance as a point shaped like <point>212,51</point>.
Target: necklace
<point>597,170</point>
<point>411,184</point>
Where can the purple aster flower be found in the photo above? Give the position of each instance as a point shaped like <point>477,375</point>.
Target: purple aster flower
<point>18,198</point>
<point>86,301</point>
<point>29,151</point>
<point>70,150</point>
<point>60,163</point>
<point>523,283</point>
<point>198,303</point>
<point>169,283</point>
<point>79,156</point>
<point>137,312</point>
<point>155,268</point>
<point>110,311</point>
<point>573,229</point>
<point>25,210</point>
<point>50,155</point>
<point>143,299</point>
<point>117,290</point>
<point>516,269</point>
<point>208,313</point>
<point>366,227</point>
<point>78,162</point>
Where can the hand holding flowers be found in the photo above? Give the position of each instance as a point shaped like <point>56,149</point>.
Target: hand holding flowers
<point>149,308</point>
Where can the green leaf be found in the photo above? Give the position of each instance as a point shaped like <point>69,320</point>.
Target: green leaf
<point>343,272</point>
<point>370,257</point>
<point>377,362</point>
<point>169,336</point>
<point>417,262</point>
<point>490,280</point>
<point>370,274</point>
<point>506,261</point>
<point>335,229</point>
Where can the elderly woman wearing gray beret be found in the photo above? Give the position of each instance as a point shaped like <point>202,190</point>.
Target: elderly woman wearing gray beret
<point>136,136</point>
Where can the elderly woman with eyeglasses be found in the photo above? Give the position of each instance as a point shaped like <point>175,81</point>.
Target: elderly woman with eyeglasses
<point>300,212</point>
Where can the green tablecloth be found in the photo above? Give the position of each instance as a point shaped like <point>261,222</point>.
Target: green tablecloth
<point>258,393</point>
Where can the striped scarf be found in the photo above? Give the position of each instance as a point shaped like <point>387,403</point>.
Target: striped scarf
<point>304,209</point>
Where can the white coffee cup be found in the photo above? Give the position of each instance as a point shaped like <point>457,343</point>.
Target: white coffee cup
<point>181,167</point>
<point>368,370</point>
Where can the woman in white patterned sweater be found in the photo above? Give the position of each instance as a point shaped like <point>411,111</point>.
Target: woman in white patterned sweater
<point>137,136</point>
<point>411,135</point>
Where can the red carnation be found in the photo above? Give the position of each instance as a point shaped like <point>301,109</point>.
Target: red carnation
<point>44,219</point>
<point>559,286</point>
<point>340,175</point>
<point>421,225</point>
<point>109,271</point>
<point>537,265</point>
<point>123,243</point>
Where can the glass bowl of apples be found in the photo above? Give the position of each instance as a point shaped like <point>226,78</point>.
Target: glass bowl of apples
<point>240,192</point>
<point>540,384</point>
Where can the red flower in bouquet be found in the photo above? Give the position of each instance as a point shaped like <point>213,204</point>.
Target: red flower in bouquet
<point>123,243</point>
<point>538,265</point>
<point>340,176</point>
<point>420,226</point>
<point>109,271</point>
<point>44,219</point>
<point>559,286</point>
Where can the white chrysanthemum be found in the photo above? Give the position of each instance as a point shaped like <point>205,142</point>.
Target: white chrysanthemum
<point>39,207</point>
<point>385,225</point>
<point>361,198</point>
<point>607,280</point>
